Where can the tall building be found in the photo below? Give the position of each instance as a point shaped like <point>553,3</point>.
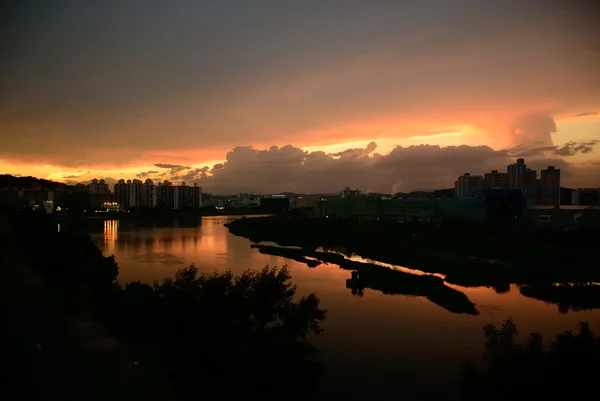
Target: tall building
<point>189,198</point>
<point>130,195</point>
<point>134,189</point>
<point>121,194</point>
<point>149,197</point>
<point>495,180</point>
<point>469,186</point>
<point>550,186</point>
<point>166,195</point>
<point>98,187</point>
<point>530,187</point>
<point>197,195</point>
<point>98,193</point>
<point>185,197</point>
<point>516,174</point>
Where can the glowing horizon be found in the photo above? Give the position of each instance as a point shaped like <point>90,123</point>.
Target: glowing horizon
<point>125,97</point>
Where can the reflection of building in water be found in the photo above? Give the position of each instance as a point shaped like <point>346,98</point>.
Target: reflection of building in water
<point>355,284</point>
<point>111,229</point>
<point>167,243</point>
<point>149,244</point>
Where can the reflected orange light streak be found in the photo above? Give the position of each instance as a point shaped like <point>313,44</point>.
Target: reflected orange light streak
<point>111,234</point>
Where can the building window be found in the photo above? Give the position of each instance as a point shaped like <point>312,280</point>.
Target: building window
<point>544,218</point>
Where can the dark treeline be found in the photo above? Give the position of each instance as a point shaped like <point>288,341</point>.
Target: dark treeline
<point>566,370</point>
<point>569,296</point>
<point>207,335</point>
<point>468,254</point>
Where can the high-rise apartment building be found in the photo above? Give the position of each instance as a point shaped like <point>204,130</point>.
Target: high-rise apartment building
<point>98,193</point>
<point>185,200</point>
<point>469,186</point>
<point>98,187</point>
<point>149,197</point>
<point>197,196</point>
<point>550,186</point>
<point>134,189</point>
<point>495,180</point>
<point>516,174</point>
<point>145,195</point>
<point>166,195</point>
<point>189,198</point>
<point>121,194</point>
<point>531,187</point>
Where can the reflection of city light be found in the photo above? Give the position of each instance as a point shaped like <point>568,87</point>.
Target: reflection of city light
<point>111,231</point>
<point>58,227</point>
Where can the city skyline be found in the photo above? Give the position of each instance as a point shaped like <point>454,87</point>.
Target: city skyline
<point>537,190</point>
<point>300,97</point>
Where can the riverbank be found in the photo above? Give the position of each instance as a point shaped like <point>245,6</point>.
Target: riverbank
<point>466,255</point>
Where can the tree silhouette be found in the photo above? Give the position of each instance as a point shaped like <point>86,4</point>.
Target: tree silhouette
<point>515,371</point>
<point>223,330</point>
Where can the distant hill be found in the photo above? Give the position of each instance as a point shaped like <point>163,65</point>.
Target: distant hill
<point>10,181</point>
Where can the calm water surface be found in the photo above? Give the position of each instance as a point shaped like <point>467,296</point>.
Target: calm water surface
<point>374,345</point>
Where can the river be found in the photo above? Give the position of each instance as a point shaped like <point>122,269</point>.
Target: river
<point>375,346</point>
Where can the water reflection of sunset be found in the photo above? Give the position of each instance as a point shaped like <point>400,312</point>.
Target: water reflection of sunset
<point>154,252</point>
<point>386,333</point>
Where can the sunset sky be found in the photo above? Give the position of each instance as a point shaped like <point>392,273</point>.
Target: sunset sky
<point>306,96</point>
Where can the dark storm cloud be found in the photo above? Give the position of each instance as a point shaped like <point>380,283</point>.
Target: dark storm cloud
<point>174,169</point>
<point>292,169</point>
<point>568,149</point>
<point>524,152</point>
<point>572,148</point>
<point>193,175</point>
<point>357,152</point>
<point>147,174</point>
<point>165,165</point>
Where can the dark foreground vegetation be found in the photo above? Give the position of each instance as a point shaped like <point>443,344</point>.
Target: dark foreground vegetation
<point>566,370</point>
<point>213,336</point>
<point>468,254</point>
